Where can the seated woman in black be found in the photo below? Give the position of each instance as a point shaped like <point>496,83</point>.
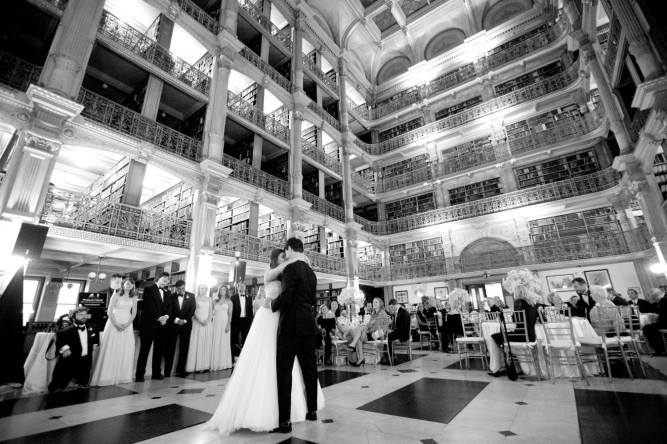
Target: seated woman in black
<point>522,301</point>
<point>327,323</point>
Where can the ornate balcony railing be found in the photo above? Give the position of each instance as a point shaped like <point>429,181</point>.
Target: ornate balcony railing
<point>363,182</point>
<point>326,264</point>
<point>55,7</point>
<point>373,272</point>
<point>530,92</point>
<point>575,249</point>
<point>329,81</point>
<point>638,122</point>
<point>116,32</point>
<point>576,186</point>
<point>311,150</point>
<point>324,207</point>
<point>248,174</point>
<point>359,110</point>
<point>16,73</point>
<point>603,35</point>
<point>267,69</point>
<point>331,120</point>
<point>283,35</point>
<point>479,67</point>
<point>245,110</point>
<point>119,118</point>
<point>197,13</point>
<point>84,212</point>
<point>613,42</point>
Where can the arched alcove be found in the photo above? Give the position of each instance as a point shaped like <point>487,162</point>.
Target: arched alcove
<point>443,42</point>
<point>503,11</point>
<point>394,67</point>
<point>488,253</point>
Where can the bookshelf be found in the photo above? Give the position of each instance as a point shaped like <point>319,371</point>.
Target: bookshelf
<point>311,239</point>
<point>332,108</point>
<point>660,172</point>
<point>529,78</point>
<point>335,245</point>
<point>193,126</point>
<point>310,135</point>
<point>370,255</point>
<point>332,150</point>
<point>111,184</point>
<point>517,40</point>
<point>469,154</point>
<point>457,108</point>
<point>573,225</point>
<point>278,166</point>
<point>401,129</point>
<point>325,296</point>
<point>334,193</point>
<point>242,150</point>
<point>554,170</point>
<point>410,205</point>
<point>404,166</point>
<point>249,95</point>
<point>423,250</point>
<point>272,227</point>
<point>475,191</point>
<point>177,201</point>
<point>369,212</point>
<point>311,182</point>
<point>542,122</point>
<point>234,217</point>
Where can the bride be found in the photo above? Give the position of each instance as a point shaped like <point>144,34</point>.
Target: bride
<point>250,400</point>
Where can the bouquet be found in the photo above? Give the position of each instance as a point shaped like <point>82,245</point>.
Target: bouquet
<point>520,277</point>
<point>458,297</point>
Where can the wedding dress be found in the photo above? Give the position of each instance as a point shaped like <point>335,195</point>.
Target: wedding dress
<point>250,400</point>
<point>116,357</point>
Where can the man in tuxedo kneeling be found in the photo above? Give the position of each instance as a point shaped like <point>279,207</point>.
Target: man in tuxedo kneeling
<point>75,345</point>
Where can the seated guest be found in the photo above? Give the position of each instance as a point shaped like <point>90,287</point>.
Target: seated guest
<point>599,320</point>
<point>429,311</point>
<point>643,305</point>
<point>375,328</point>
<point>335,308</point>
<point>615,298</point>
<point>442,326</point>
<point>522,301</point>
<point>654,299</point>
<point>573,300</point>
<point>582,307</point>
<point>422,324</point>
<point>454,325</point>
<point>366,309</point>
<point>652,331</point>
<point>493,304</point>
<point>327,323</point>
<point>400,324</point>
<point>556,301</point>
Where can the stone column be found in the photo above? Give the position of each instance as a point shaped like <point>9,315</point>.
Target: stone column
<point>151,103</point>
<point>295,156</point>
<point>229,11</point>
<point>640,46</point>
<point>382,210</point>
<point>508,179</point>
<point>216,112</point>
<point>297,55</point>
<point>71,47</point>
<point>488,91</point>
<point>134,182</point>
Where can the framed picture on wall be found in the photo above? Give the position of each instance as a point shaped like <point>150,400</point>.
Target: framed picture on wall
<point>598,277</point>
<point>401,296</point>
<point>637,289</point>
<point>441,293</point>
<point>561,282</point>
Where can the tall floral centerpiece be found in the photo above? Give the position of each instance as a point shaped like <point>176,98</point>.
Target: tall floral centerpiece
<point>458,299</point>
<point>350,296</point>
<point>522,278</point>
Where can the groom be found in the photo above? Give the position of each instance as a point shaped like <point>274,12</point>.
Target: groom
<point>297,333</point>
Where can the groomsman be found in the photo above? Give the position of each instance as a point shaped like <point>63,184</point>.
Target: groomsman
<point>180,326</point>
<point>153,326</point>
<point>241,318</point>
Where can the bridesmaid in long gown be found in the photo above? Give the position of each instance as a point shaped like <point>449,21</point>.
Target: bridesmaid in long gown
<point>116,358</point>
<point>221,354</point>
<point>201,338</point>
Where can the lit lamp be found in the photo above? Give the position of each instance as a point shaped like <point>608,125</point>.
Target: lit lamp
<point>98,276</point>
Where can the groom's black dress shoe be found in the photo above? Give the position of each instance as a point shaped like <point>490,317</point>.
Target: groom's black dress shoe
<point>312,416</point>
<point>285,427</point>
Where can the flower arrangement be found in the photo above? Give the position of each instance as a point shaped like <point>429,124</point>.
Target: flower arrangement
<point>351,295</point>
<point>458,297</point>
<point>520,277</point>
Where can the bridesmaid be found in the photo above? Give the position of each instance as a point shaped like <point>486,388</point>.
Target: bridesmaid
<point>201,339</point>
<point>116,358</point>
<point>221,355</point>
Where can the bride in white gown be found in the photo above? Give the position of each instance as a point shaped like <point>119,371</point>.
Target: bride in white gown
<point>250,400</point>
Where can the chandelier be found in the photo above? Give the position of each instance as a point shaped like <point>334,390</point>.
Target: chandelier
<point>98,276</point>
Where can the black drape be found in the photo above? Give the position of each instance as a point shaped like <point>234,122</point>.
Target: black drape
<point>11,330</point>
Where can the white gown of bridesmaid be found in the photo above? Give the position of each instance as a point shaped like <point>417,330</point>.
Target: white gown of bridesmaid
<point>221,353</point>
<point>116,357</point>
<point>250,400</point>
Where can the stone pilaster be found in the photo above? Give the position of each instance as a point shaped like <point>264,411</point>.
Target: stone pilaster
<point>297,55</point>
<point>216,112</point>
<point>229,12</point>
<point>295,156</point>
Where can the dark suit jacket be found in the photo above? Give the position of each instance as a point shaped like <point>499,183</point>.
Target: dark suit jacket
<point>495,308</point>
<point>402,324</point>
<point>583,309</point>
<point>296,301</point>
<point>531,316</point>
<point>236,307</point>
<point>619,301</point>
<point>186,312</point>
<point>70,336</point>
<point>154,307</point>
<point>643,304</point>
<point>662,313</point>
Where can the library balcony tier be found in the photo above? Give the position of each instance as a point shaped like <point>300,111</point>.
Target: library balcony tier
<point>255,177</point>
<point>81,211</point>
<point>197,13</point>
<point>528,93</point>
<point>245,110</point>
<point>310,149</point>
<point>249,55</point>
<point>324,115</point>
<point>325,207</point>
<point>573,187</point>
<point>534,40</point>
<point>329,79</point>
<point>284,36</point>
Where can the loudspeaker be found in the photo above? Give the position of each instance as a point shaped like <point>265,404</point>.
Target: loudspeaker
<point>238,272</point>
<point>30,241</point>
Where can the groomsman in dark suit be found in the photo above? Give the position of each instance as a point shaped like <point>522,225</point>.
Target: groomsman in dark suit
<point>153,327</point>
<point>583,306</point>
<point>643,305</point>
<point>241,318</point>
<point>180,325</point>
<point>400,324</point>
<point>75,345</point>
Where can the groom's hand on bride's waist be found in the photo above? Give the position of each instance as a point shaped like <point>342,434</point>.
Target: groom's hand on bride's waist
<point>267,303</point>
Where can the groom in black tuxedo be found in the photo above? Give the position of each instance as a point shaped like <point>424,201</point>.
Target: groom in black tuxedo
<point>297,334</point>
<point>153,329</point>
<point>241,318</point>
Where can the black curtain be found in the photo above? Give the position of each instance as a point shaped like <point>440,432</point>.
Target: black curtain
<point>11,330</point>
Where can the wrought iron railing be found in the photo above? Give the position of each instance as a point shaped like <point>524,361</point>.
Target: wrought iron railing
<point>471,71</point>
<point>248,174</point>
<point>331,120</point>
<point>119,118</point>
<point>84,212</point>
<point>613,42</point>
<point>55,7</point>
<point>117,33</point>
<point>328,80</point>
<point>267,69</point>
<point>364,182</point>
<point>310,149</point>
<point>16,73</point>
<point>359,110</point>
<point>284,35</point>
<point>373,272</point>
<point>638,122</point>
<point>197,13</point>
<point>576,186</point>
<point>530,92</point>
<point>603,35</point>
<point>325,207</point>
<point>323,263</point>
<point>247,111</point>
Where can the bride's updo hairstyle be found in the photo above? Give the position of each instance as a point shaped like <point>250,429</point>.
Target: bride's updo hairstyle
<point>275,254</point>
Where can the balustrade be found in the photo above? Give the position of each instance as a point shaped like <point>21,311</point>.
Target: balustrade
<point>359,110</point>
<point>116,32</point>
<point>331,120</point>
<point>325,207</point>
<point>253,176</point>
<point>284,35</point>
<point>530,92</point>
<point>310,149</point>
<point>613,41</point>
<point>197,13</point>
<point>328,80</point>
<point>638,122</point>
<point>16,73</point>
<point>84,212</point>
<point>326,264</point>
<point>245,110</point>
<point>267,69</point>
<point>119,118</point>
